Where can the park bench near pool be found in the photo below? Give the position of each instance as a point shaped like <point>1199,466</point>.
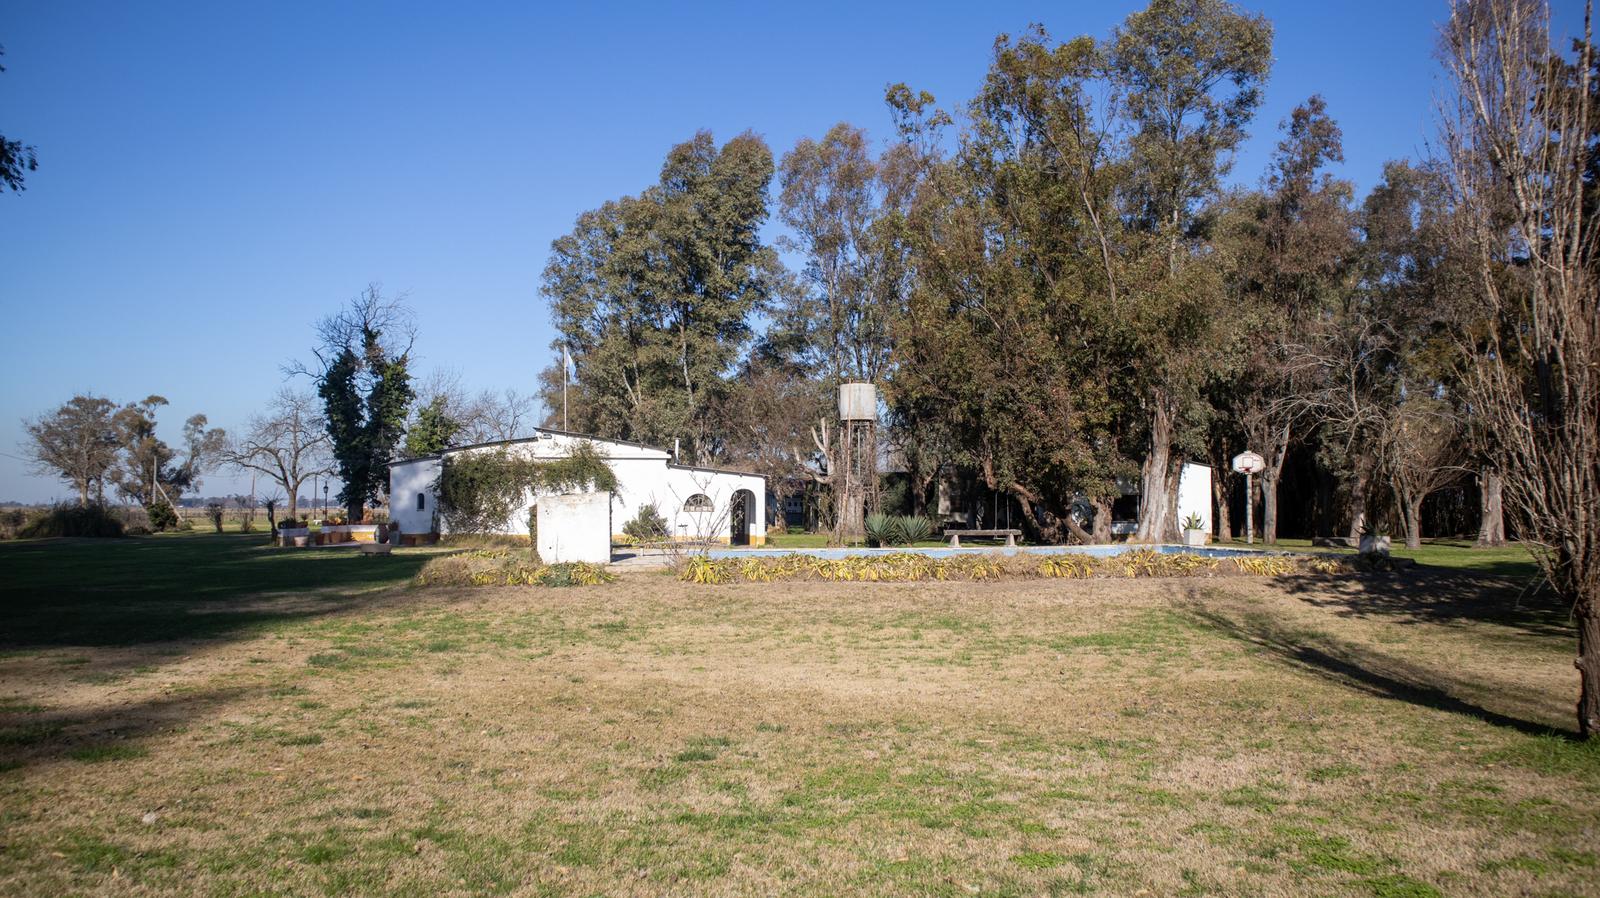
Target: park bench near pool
<point>955,536</point>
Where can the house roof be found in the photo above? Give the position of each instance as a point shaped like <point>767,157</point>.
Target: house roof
<point>579,436</point>
<point>715,470</point>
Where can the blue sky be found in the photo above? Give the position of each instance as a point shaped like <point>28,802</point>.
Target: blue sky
<point>215,177</point>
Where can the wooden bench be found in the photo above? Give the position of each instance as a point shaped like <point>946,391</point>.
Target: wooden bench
<point>955,536</point>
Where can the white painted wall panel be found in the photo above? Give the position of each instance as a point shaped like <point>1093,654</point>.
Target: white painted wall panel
<point>406,482</point>
<point>575,527</point>
<point>1194,494</point>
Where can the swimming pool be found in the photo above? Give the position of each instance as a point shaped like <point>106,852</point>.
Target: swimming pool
<point>946,552</point>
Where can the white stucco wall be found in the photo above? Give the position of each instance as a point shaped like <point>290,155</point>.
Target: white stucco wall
<point>575,528</point>
<point>644,475</point>
<point>1194,494</point>
<point>406,481</point>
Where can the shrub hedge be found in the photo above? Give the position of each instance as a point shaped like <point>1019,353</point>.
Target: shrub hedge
<point>913,566</point>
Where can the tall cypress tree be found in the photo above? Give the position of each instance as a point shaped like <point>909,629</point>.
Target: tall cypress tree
<point>365,386</point>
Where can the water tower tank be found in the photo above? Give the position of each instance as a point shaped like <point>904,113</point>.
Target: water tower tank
<point>858,402</point>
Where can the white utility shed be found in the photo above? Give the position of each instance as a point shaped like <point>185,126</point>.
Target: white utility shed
<point>704,504</point>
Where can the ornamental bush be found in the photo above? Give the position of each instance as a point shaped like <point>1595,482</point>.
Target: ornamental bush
<point>507,567</point>
<point>73,520</point>
<point>162,517</point>
<point>915,566</point>
<point>647,525</point>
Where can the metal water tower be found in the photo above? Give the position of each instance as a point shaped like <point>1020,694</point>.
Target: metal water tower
<point>858,402</point>
<point>858,456</point>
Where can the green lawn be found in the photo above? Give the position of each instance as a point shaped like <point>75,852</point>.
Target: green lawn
<point>177,586</point>
<point>204,715</point>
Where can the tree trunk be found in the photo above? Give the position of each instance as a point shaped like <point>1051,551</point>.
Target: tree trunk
<point>83,493</point>
<point>1269,506</point>
<point>1102,521</point>
<point>1358,503</point>
<point>1155,480</point>
<point>1413,511</point>
<point>1491,505</point>
<point>1046,522</point>
<point>1587,611</point>
<point>1219,492</point>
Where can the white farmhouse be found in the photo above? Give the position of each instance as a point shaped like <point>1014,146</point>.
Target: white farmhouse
<point>709,504</point>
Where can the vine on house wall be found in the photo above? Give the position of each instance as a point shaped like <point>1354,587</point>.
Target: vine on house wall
<point>479,490</point>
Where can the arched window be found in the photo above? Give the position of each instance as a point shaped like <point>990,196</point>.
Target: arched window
<point>698,502</point>
<point>420,501</point>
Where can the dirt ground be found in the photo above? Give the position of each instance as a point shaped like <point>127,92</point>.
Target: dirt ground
<point>1384,736</point>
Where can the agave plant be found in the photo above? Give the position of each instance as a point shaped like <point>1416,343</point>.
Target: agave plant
<point>914,529</point>
<point>881,529</point>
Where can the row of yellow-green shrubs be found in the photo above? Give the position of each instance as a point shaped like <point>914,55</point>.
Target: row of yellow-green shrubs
<point>913,566</point>
<point>508,567</point>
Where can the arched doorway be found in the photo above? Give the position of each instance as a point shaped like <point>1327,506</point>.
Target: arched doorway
<point>741,511</point>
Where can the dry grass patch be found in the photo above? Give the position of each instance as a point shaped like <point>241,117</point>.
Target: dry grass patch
<point>650,737</point>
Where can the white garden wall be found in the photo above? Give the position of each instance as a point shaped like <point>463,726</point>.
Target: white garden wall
<point>1194,494</point>
<point>575,528</point>
<point>407,481</point>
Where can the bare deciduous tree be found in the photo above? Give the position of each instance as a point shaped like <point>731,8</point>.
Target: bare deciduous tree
<point>1519,133</point>
<point>287,443</point>
<point>1423,450</point>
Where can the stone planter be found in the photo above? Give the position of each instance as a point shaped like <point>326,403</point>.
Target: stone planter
<point>1371,544</point>
<point>335,534</point>
<point>1195,538</point>
<point>300,542</point>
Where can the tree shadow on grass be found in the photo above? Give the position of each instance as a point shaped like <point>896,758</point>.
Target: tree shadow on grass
<point>1353,666</point>
<point>132,592</point>
<point>104,733</point>
<point>1438,595</point>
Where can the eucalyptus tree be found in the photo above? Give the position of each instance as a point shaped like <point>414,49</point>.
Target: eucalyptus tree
<point>1067,306</point>
<point>1187,78</point>
<point>1289,250</point>
<point>845,211</point>
<point>148,470</point>
<point>78,442</point>
<point>1011,343</point>
<point>653,295</point>
<point>844,208</point>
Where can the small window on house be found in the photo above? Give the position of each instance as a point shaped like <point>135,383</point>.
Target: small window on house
<point>698,502</point>
<point>421,499</point>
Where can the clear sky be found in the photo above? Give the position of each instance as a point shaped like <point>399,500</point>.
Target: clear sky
<point>214,177</point>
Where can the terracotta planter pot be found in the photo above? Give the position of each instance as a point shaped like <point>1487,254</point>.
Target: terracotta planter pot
<point>300,542</point>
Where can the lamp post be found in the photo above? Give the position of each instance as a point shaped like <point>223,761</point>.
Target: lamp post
<point>324,500</point>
